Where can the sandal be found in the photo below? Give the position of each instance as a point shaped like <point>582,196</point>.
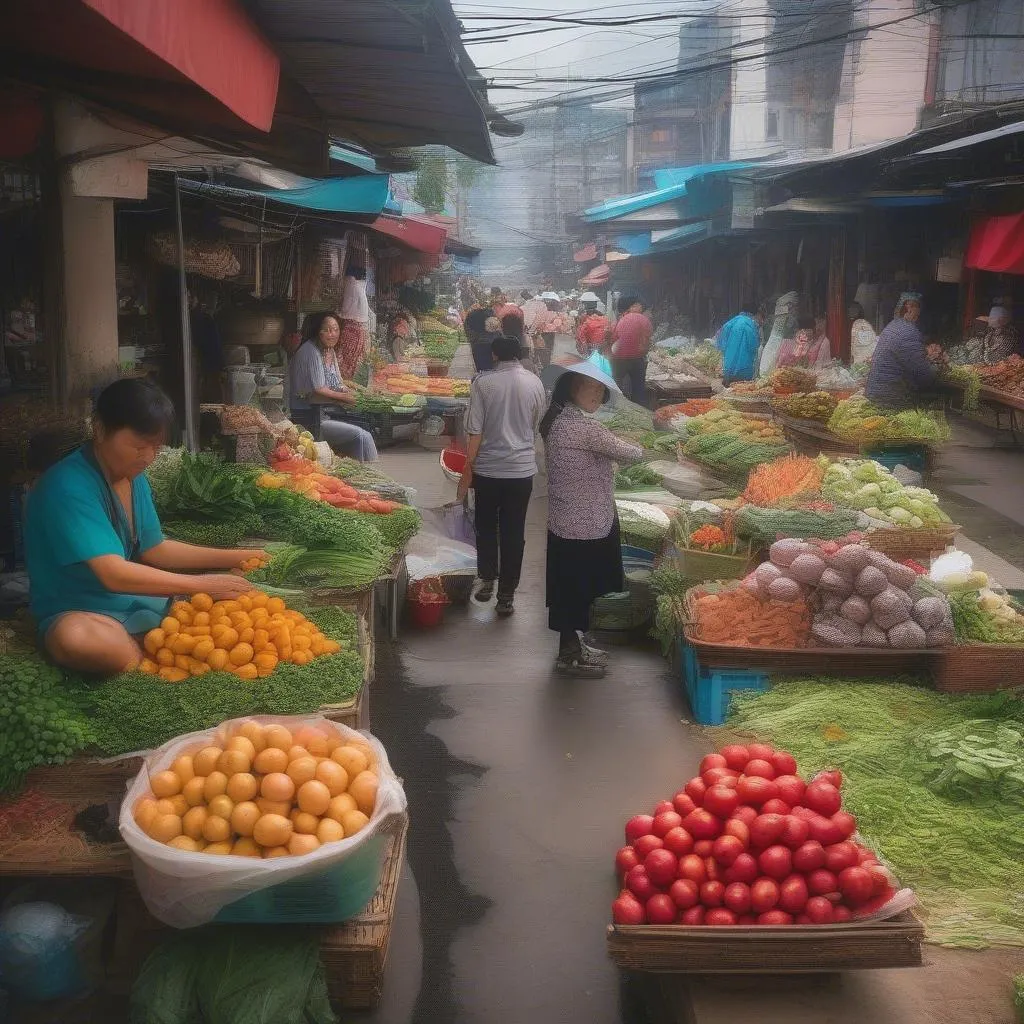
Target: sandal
<point>484,592</point>
<point>504,607</point>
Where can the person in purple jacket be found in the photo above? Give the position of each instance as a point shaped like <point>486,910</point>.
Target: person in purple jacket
<point>904,372</point>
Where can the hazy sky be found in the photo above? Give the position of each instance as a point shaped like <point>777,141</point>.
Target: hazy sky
<point>574,51</point>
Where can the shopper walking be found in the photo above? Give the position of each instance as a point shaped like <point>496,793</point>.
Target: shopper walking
<point>631,342</point>
<point>738,341</point>
<point>584,559</point>
<point>505,407</point>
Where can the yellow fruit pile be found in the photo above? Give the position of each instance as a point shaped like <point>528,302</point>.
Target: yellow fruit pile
<point>263,792</point>
<point>249,637</point>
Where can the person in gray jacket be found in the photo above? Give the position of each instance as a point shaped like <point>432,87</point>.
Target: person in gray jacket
<point>903,371</point>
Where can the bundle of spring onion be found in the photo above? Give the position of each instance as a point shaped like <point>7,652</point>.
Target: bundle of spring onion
<point>329,568</point>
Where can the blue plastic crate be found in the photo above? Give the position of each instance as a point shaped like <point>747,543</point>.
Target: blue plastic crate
<point>709,689</point>
<point>914,457</point>
<point>329,896</point>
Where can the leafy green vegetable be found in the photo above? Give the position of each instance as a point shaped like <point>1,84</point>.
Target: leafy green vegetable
<point>213,535</point>
<point>980,759</point>
<point>633,478</point>
<point>975,625</point>
<point>206,488</point>
<point>1018,995</point>
<point>291,565</point>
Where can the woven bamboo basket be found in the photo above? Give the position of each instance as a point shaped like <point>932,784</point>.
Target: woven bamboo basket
<point>980,668</point>
<point>85,778</point>
<point>902,543</point>
<point>709,565</point>
<point>794,949</point>
<point>354,953</point>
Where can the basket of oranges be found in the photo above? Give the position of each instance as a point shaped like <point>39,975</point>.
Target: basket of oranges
<point>248,636</point>
<point>262,820</point>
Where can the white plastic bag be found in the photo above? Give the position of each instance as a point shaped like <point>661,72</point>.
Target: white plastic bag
<point>185,889</point>
<point>429,554</point>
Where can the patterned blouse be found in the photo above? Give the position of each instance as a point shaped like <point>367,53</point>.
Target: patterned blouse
<point>581,458</point>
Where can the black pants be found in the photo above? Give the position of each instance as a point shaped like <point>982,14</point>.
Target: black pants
<point>630,375</point>
<point>483,357</point>
<point>501,506</point>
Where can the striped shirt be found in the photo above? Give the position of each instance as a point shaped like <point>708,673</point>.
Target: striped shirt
<point>308,371</point>
<point>900,369</point>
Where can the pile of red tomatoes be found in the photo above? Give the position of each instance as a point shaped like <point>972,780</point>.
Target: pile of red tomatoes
<point>749,842</point>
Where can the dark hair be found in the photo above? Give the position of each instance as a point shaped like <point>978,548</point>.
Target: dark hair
<point>561,395</point>
<point>312,324</point>
<point>495,292</point>
<point>512,326</point>
<point>626,302</point>
<point>749,305</point>
<point>505,349</point>
<point>805,323</point>
<point>855,311</point>
<point>356,270</point>
<point>136,404</point>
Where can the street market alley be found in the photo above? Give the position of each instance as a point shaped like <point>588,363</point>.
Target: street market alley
<point>518,782</point>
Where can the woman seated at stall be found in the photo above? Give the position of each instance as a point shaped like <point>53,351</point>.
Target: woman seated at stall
<point>903,370</point>
<point>809,348</point>
<point>314,378</point>
<point>101,572</point>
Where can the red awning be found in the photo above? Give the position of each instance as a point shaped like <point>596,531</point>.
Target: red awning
<point>585,253</point>
<point>209,43</point>
<point>599,275</point>
<point>997,244</point>
<point>415,232</point>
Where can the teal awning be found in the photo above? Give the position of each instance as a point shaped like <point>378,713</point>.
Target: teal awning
<point>366,194</point>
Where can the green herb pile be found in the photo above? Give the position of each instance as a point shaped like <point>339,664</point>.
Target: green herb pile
<point>670,585</point>
<point>765,525</point>
<point>211,535</point>
<point>294,566</point>
<point>396,528</point>
<point>969,379</point>
<point>636,478</point>
<point>371,401</point>
<point>955,839</point>
<point>365,477</point>
<point>974,624</point>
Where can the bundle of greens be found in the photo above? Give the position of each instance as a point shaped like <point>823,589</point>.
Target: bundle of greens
<point>859,421</point>
<point>765,525</point>
<point>372,401</point>
<point>294,566</point>
<point>969,379</point>
<point>636,478</point>
<point>985,617</point>
<point>202,487</point>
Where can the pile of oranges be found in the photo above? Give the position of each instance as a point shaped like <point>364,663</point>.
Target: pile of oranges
<point>249,636</point>
<point>263,791</point>
<point>249,564</point>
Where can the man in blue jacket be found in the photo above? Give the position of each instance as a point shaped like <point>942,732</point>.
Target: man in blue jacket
<point>738,340</point>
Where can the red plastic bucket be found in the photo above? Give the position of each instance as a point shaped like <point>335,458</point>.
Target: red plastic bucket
<point>426,613</point>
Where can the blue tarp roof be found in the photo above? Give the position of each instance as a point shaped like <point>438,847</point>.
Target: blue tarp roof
<point>353,157</point>
<point>639,243</point>
<point>364,194</point>
<point>672,185</point>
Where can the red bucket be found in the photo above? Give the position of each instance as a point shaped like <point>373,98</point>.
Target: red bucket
<point>426,614</point>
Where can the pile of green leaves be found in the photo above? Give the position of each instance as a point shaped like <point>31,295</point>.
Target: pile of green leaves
<point>975,625</point>
<point>396,528</point>
<point>975,760</point>
<point>636,478</point>
<point>211,535</point>
<point>958,845</point>
<point>294,566</point>
<point>206,488</point>
<point>134,711</point>
<point>969,379</point>
<point>371,401</point>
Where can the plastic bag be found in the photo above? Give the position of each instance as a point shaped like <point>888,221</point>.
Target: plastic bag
<point>185,889</point>
<point>37,950</point>
<point>454,521</point>
<point>429,554</point>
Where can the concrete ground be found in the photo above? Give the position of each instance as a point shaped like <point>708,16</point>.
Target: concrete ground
<point>519,783</point>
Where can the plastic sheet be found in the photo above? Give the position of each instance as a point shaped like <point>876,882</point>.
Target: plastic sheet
<point>38,960</point>
<point>185,889</point>
<point>430,554</point>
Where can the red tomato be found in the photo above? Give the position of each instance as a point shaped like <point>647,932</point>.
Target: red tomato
<point>662,806</point>
<point>720,801</point>
<point>831,775</point>
<point>721,776</point>
<point>764,894</point>
<point>866,856</point>
<point>839,856</point>
<point>821,882</point>
<point>823,797</point>
<point>703,847</point>
<point>685,893</point>
<point>737,828</point>
<point>793,894</point>
<point>625,859</point>
<point>661,867</point>
<point>726,850</point>
<point>774,917</point>
<point>841,914</point>
<point>719,916</point>
<point>665,822</point>
<point>775,806</point>
<point>712,894</point>
<point>702,824</point>
<point>795,832</point>
<point>879,878</point>
<point>784,762</point>
<point>819,910</point>
<point>695,915</point>
<point>683,803</point>
<point>802,919</point>
<point>825,830</point>
<point>712,761</point>
<point>743,869</point>
<point>692,867</point>
<point>637,826</point>
<point>678,841</point>
<point>745,813</point>
<point>747,919</point>
<point>809,856</point>
<point>765,829</point>
<point>660,909</point>
<point>645,844</point>
<point>856,885</point>
<point>761,768</point>
<point>791,789</point>
<point>776,862</point>
<point>695,789</point>
<point>874,904</point>
<point>756,790</point>
<point>737,897</point>
<point>627,909</point>
<point>711,866</point>
<point>846,823</point>
<point>639,884</point>
<point>760,751</point>
<point>735,756</point>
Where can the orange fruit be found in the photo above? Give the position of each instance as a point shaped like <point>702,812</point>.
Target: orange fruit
<point>300,844</point>
<point>353,822</point>
<point>302,770</point>
<point>351,758</point>
<point>270,760</point>
<point>277,786</point>
<point>154,640</point>
<point>149,666</point>
<point>216,783</point>
<point>193,821</point>
<point>333,776</point>
<point>201,619</point>
<point>265,662</point>
<point>216,829</point>
<point>340,806</point>
<point>173,674</point>
<point>145,812</point>
<point>246,635</point>
<point>221,849</point>
<point>248,672</point>
<point>170,625</point>
<point>205,761</point>
<point>282,807</point>
<point>165,827</point>
<point>242,787</point>
<point>202,602</point>
<point>234,762</point>
<point>275,605</point>
<point>246,848</point>
<point>363,789</point>
<point>272,830</point>
<point>186,843</point>
<point>193,791</point>
<point>217,659</point>
<point>330,831</point>
<point>165,784</point>
<point>258,599</point>
<point>244,817</point>
<point>275,851</point>
<point>183,662</point>
<point>253,732</point>
<point>304,822</point>
<point>314,797</point>
<point>278,736</point>
<point>203,649</point>
<point>240,654</point>
<point>221,806</point>
<point>165,657</point>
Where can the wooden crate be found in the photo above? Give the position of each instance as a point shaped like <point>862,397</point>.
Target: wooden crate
<point>901,543</point>
<point>85,778</point>
<point>980,668</point>
<point>355,953</point>
<point>793,949</point>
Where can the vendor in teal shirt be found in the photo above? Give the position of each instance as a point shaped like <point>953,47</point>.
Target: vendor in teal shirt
<point>100,570</point>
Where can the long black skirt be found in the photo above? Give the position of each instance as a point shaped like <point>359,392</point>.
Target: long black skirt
<point>578,573</point>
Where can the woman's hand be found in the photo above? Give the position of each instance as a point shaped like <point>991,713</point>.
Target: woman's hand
<point>224,586</point>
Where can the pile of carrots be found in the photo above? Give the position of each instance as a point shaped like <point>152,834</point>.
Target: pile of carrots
<point>740,618</point>
<point>306,478</point>
<point>771,482</point>
<point>691,407</point>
